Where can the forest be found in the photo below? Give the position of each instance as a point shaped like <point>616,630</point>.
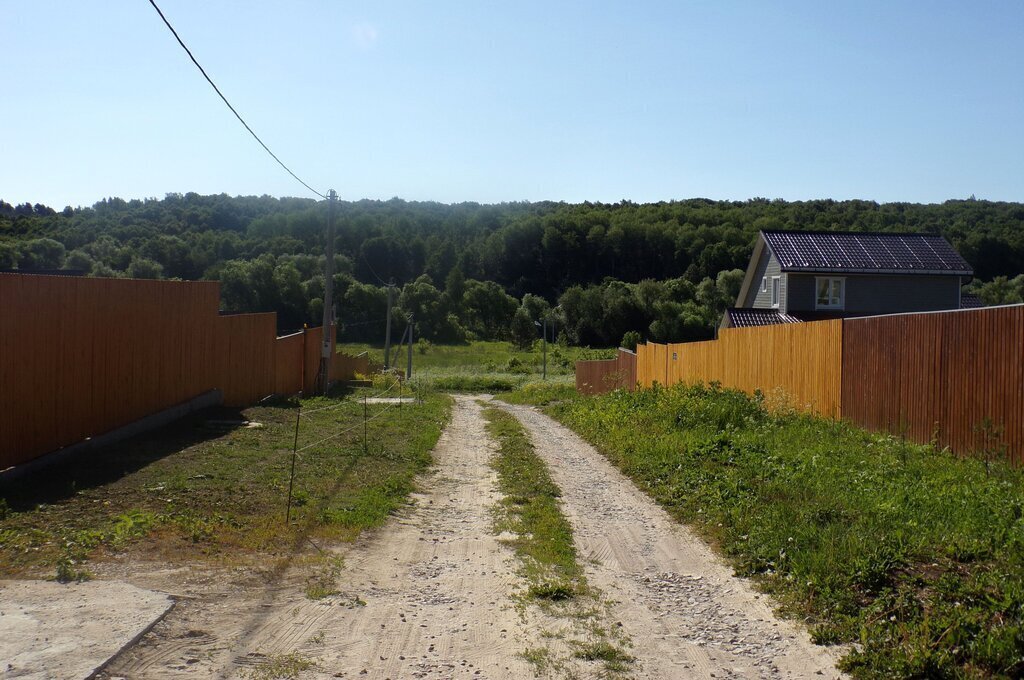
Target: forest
<point>595,271</point>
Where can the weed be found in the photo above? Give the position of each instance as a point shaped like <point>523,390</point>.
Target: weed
<point>280,667</point>
<point>614,658</point>
<point>68,571</point>
<point>322,582</point>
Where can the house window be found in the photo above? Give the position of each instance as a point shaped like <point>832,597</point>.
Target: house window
<point>764,284</point>
<point>776,290</point>
<point>830,293</point>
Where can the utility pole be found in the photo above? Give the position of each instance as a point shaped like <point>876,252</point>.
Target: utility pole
<point>327,347</point>
<point>387,333</point>
<point>544,375</point>
<point>408,370</point>
<point>544,343</point>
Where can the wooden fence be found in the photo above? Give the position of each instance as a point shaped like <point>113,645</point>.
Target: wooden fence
<point>939,376</point>
<point>936,376</point>
<point>605,375</point>
<point>82,356</point>
<point>801,363</point>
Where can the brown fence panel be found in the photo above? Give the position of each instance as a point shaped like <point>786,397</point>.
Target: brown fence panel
<point>288,363</point>
<point>346,366</point>
<point>602,376</point>
<point>80,357</point>
<point>939,376</point>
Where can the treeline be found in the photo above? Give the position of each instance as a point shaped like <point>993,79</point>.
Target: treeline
<point>666,270</point>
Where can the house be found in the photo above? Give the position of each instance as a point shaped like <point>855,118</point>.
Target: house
<point>796,276</point>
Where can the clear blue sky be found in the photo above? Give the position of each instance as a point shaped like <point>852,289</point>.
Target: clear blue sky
<point>503,101</point>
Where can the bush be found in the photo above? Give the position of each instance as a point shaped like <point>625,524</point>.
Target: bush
<point>630,340</point>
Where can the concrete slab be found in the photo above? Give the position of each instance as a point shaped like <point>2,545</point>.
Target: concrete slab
<point>68,631</point>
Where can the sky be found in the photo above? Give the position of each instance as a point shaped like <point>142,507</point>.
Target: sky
<point>487,101</point>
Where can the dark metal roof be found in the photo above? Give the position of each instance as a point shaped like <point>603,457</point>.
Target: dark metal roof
<point>865,253</point>
<point>747,317</point>
<point>969,301</point>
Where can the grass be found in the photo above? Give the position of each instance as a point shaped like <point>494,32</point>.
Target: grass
<point>280,667</point>
<point>200,489</point>
<point>531,510</point>
<point>912,556</point>
<point>484,366</point>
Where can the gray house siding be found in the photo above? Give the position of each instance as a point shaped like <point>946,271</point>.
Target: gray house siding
<point>767,267</point>
<point>868,294</point>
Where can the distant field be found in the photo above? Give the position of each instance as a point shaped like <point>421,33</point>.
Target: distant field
<point>483,366</point>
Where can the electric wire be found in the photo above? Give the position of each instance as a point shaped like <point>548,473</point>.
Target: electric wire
<point>384,410</point>
<point>225,99</point>
<point>372,271</point>
<point>344,402</point>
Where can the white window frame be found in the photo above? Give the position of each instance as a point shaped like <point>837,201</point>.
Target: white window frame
<point>841,304</point>
<point>764,284</point>
<point>777,291</point>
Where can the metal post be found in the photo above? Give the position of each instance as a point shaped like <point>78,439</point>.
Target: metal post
<point>291,479</point>
<point>545,345</point>
<point>326,346</point>
<point>365,441</point>
<point>408,370</point>
<point>387,332</point>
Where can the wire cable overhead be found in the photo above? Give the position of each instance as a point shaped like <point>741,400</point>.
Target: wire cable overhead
<point>225,99</point>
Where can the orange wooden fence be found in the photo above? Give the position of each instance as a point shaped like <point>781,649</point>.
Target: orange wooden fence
<point>82,356</point>
<point>800,363</point>
<point>605,375</point>
<point>933,377</point>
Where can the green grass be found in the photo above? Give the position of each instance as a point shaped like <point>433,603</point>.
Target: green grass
<point>280,667</point>
<point>484,366</point>
<point>198,489</point>
<point>914,556</point>
<point>530,509</point>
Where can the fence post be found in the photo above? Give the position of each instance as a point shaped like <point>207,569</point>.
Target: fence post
<point>291,478</point>
<point>365,443</point>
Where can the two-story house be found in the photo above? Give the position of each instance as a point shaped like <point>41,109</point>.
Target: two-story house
<point>798,276</point>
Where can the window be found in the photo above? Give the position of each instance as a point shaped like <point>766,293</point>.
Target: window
<point>776,290</point>
<point>830,293</point>
<point>764,284</point>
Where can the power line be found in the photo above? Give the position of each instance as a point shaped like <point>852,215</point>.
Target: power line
<point>217,90</point>
<point>372,271</point>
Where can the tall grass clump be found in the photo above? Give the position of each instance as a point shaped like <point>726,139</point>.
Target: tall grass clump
<point>912,556</point>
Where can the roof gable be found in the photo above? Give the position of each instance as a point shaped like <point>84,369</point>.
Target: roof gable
<point>808,251</point>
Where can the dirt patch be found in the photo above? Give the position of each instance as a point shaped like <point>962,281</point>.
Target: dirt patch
<point>687,615</point>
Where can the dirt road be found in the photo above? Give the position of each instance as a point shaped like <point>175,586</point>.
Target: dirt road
<point>687,614</point>
<point>432,594</point>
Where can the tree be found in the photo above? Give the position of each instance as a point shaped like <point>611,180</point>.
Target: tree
<point>144,268</point>
<point>523,330</point>
<point>42,253</point>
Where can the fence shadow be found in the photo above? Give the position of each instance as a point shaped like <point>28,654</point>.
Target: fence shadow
<point>98,467</point>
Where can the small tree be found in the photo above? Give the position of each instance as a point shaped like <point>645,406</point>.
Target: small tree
<point>630,340</point>
<point>523,330</point>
